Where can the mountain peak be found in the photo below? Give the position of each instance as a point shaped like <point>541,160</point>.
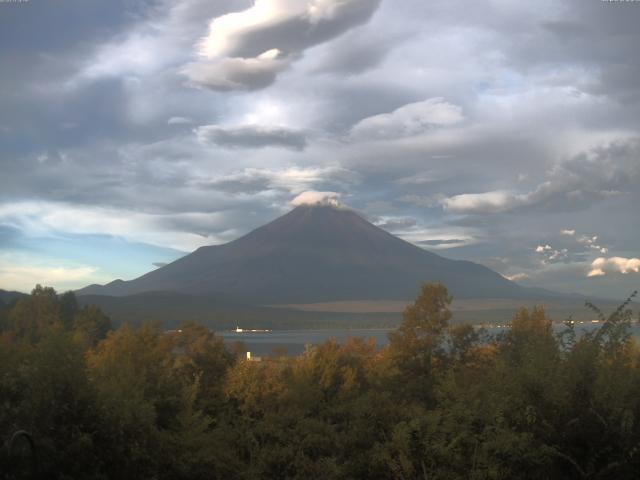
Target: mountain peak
<point>317,252</point>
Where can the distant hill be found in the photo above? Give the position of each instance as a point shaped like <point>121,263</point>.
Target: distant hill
<point>317,254</point>
<point>7,297</point>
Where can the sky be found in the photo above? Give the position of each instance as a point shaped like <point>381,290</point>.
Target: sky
<point>499,131</point>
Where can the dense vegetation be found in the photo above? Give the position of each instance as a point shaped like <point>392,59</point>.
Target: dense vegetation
<point>440,402</point>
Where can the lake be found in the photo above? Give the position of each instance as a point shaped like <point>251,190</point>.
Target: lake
<point>294,341</point>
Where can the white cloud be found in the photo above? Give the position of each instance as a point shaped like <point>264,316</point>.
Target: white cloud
<point>289,25</point>
<point>591,242</point>
<point>312,197</point>
<point>247,50</point>
<point>567,232</point>
<point>410,119</point>
<point>601,266</point>
<point>551,254</point>
<point>488,202</point>
<point>517,277</point>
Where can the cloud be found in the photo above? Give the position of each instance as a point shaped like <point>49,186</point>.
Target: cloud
<point>179,121</point>
<point>137,54</point>
<point>177,231</point>
<point>316,198</point>
<point>358,51</point>
<point>410,119</point>
<point>601,266</point>
<point>444,244</point>
<point>600,174</point>
<point>568,233</point>
<point>551,254</point>
<point>288,25</point>
<point>157,41</point>
<point>288,180</point>
<point>252,136</point>
<point>439,238</point>
<point>392,223</point>
<point>247,50</point>
<point>516,277</point>
<point>488,202</point>
<point>238,73</point>
<point>160,264</point>
<point>591,242</point>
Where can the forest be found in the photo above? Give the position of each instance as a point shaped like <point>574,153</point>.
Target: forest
<point>82,400</point>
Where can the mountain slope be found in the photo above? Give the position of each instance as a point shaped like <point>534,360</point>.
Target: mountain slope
<point>7,297</point>
<point>316,254</point>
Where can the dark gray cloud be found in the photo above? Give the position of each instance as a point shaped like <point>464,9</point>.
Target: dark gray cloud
<point>359,50</point>
<point>352,58</point>
<point>230,74</point>
<point>603,173</point>
<point>252,136</point>
<point>436,242</point>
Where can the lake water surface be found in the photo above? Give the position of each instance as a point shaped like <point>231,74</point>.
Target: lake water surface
<point>294,341</point>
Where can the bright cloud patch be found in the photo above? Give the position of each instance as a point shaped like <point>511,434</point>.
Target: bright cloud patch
<point>551,254</point>
<point>479,202</point>
<point>316,198</point>
<point>290,180</point>
<point>601,266</point>
<point>591,242</point>
<point>517,277</point>
<point>411,119</point>
<point>288,25</point>
<point>246,50</point>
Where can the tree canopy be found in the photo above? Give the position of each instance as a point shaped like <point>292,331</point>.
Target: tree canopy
<point>442,401</point>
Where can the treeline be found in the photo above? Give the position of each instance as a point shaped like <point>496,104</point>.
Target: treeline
<point>440,402</point>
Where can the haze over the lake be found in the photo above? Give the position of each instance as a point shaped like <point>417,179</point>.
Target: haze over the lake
<point>502,132</point>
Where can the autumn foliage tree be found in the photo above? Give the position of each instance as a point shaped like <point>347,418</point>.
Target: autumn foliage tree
<point>442,400</point>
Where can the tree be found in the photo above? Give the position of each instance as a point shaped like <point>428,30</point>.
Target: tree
<point>32,316</point>
<point>422,328</point>
<point>91,325</point>
<point>204,360</point>
<point>68,309</point>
